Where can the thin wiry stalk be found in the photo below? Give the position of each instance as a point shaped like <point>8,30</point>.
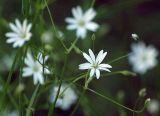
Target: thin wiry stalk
<point>118,104</point>
<point>29,108</point>
<point>51,109</point>
<point>55,30</point>
<point>20,77</point>
<point>92,4</point>
<point>119,58</point>
<point>81,96</point>
<point>9,77</point>
<point>72,46</point>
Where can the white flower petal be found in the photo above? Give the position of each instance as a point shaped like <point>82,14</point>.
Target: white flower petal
<point>11,40</point>
<point>92,55</point>
<point>35,79</point>
<point>27,72</point>
<point>88,58</point>
<point>40,78</point>
<point>29,60</point>
<point>77,12</point>
<point>85,66</point>
<point>24,25</point>
<point>46,71</point>
<point>97,73</point>
<point>92,26</point>
<point>70,20</point>
<point>21,43</point>
<point>15,44</point>
<point>92,72</point>
<point>18,24</point>
<point>81,32</point>
<point>105,66</point>
<point>101,56</point>
<point>14,28</point>
<point>71,27</point>
<point>29,27</point>
<point>89,14</point>
<point>11,34</point>
<point>105,69</point>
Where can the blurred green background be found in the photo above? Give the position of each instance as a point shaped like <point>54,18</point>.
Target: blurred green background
<point>118,19</point>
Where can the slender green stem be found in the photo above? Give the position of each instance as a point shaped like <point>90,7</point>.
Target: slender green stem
<point>13,101</point>
<point>136,104</point>
<point>29,108</point>
<point>75,80</point>
<point>123,72</point>
<point>81,96</point>
<point>111,100</point>
<point>55,30</point>
<point>64,67</point>
<point>9,77</point>
<point>20,77</point>
<point>72,46</point>
<point>77,104</point>
<point>35,93</point>
<point>93,2</point>
<point>93,45</point>
<point>52,107</point>
<point>117,59</point>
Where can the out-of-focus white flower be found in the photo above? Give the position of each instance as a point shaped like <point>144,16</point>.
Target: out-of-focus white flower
<point>142,57</point>
<point>21,33</point>
<point>35,68</point>
<point>6,62</point>
<point>67,97</point>
<point>61,34</point>
<point>135,36</point>
<point>47,37</point>
<point>94,63</point>
<point>82,21</point>
<point>154,106</point>
<point>8,113</point>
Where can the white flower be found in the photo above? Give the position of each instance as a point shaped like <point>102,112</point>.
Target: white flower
<point>67,96</point>
<point>135,36</point>
<point>47,37</point>
<point>142,57</point>
<point>6,62</point>
<point>153,106</point>
<point>21,33</point>
<point>82,21</point>
<point>8,113</point>
<point>35,68</point>
<point>94,63</point>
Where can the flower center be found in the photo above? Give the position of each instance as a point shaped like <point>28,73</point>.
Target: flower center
<point>61,96</point>
<point>36,68</point>
<point>23,35</point>
<point>81,23</point>
<point>144,58</point>
<point>95,65</point>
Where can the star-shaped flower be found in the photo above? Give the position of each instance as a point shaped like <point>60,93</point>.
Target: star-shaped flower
<point>67,96</point>
<point>21,33</point>
<point>35,68</point>
<point>143,57</point>
<point>94,63</point>
<point>82,21</point>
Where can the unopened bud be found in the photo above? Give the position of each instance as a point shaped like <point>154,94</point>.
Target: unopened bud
<point>142,92</point>
<point>135,36</point>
